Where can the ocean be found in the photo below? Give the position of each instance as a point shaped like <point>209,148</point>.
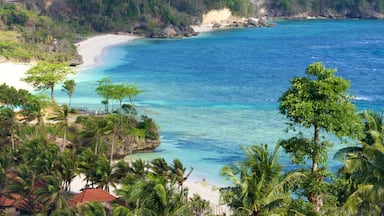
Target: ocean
<point>215,93</point>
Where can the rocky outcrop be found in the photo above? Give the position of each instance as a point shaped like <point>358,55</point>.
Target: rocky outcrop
<point>135,144</point>
<point>174,31</point>
<point>223,18</point>
<point>76,61</point>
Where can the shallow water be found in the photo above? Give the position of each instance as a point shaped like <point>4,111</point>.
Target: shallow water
<point>216,92</point>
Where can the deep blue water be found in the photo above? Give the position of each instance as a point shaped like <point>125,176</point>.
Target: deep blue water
<point>218,91</point>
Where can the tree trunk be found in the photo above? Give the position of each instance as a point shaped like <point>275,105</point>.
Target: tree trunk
<point>52,89</point>
<point>112,149</point>
<point>64,137</point>
<point>316,199</point>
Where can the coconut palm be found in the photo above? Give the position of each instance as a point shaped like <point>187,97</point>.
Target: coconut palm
<point>118,210</point>
<point>364,165</point>
<point>34,110</point>
<point>258,186</point>
<point>8,125</point>
<point>92,208</point>
<point>25,184</point>
<point>61,115</point>
<point>177,172</point>
<point>153,195</point>
<point>53,194</point>
<point>87,166</point>
<point>103,173</point>
<point>67,166</point>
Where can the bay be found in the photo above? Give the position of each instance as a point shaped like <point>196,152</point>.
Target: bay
<point>216,92</point>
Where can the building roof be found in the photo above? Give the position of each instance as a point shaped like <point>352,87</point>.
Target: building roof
<point>91,195</point>
<point>8,201</point>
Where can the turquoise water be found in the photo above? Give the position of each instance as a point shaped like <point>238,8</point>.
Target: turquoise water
<point>216,92</point>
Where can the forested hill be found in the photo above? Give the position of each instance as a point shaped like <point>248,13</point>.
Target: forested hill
<point>324,8</point>
<point>143,16</point>
<point>29,29</point>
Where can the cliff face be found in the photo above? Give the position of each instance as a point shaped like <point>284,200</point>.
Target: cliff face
<point>135,144</point>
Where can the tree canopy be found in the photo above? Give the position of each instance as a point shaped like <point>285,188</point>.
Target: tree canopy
<point>46,75</point>
<point>319,101</point>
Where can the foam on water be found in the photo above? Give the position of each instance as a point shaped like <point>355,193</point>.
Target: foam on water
<point>216,92</point>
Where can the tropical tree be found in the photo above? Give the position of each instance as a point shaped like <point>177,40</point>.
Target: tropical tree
<point>154,195</point>
<point>69,88</point>
<point>25,184</point>
<point>177,172</point>
<point>92,208</point>
<point>67,166</point>
<point>8,124</point>
<point>199,206</point>
<point>258,184</point>
<point>60,128</point>
<point>319,101</point>
<point>364,168</point>
<point>46,75</point>
<point>104,90</point>
<point>33,109</point>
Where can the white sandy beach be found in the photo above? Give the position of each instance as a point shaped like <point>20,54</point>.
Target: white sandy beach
<point>90,49</point>
<point>11,74</point>
<point>93,47</point>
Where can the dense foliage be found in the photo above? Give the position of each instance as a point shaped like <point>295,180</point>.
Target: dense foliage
<point>327,8</point>
<point>39,159</point>
<point>26,35</point>
<point>46,30</point>
<point>138,15</point>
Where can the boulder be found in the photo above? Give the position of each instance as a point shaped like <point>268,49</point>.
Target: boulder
<point>77,61</point>
<point>174,31</point>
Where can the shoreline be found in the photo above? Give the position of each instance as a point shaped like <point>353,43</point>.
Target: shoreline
<point>93,47</point>
<point>14,73</point>
<point>89,49</point>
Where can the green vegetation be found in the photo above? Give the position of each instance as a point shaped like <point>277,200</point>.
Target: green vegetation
<point>45,76</point>
<point>318,101</point>
<point>26,36</point>
<point>327,8</point>
<point>51,153</point>
<point>46,30</point>
<point>259,186</point>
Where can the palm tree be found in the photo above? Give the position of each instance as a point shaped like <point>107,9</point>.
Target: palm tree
<point>153,195</point>
<point>67,166</point>
<point>103,173</point>
<point>92,208</point>
<point>364,165</point>
<point>69,88</point>
<point>34,110</point>
<point>25,185</point>
<point>118,210</point>
<point>53,194</point>
<point>198,206</point>
<point>61,114</point>
<point>8,124</point>
<point>258,184</point>
<point>177,172</point>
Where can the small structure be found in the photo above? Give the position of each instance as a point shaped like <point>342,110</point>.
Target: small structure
<point>92,195</point>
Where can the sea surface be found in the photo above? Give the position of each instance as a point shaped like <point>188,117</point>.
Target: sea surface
<point>215,93</point>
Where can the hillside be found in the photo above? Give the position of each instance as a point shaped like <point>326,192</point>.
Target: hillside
<point>47,29</point>
<point>362,9</point>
